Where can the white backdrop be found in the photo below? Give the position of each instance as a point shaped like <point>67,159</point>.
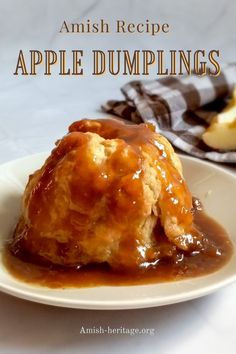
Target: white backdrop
<point>35,111</point>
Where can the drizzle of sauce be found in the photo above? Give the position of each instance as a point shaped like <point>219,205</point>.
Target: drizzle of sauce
<point>181,266</point>
<point>72,204</point>
<point>75,210</point>
<point>174,198</point>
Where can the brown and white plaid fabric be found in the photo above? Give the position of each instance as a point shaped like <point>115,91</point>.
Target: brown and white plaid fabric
<point>180,108</point>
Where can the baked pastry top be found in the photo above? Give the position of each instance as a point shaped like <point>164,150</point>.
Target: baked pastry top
<point>103,195</point>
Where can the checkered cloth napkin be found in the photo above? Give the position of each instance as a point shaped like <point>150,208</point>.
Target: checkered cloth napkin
<point>180,108</point>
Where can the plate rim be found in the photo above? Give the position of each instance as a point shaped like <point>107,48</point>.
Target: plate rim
<point>122,304</point>
<point>114,305</point>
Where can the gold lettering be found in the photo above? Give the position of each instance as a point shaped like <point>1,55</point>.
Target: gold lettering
<point>214,62</point>
<point>50,59</point>
<point>63,63</point>
<point>199,66</point>
<point>173,62</point>
<point>77,54</point>
<point>131,67</point>
<point>21,64</point>
<point>36,59</point>
<point>111,62</point>
<point>148,59</point>
<point>160,54</point>
<point>186,60</point>
<point>99,62</point>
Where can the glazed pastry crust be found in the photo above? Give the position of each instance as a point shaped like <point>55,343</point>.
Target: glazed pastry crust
<point>100,195</point>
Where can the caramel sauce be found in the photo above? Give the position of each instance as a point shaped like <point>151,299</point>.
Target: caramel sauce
<point>177,200</point>
<point>74,203</point>
<point>170,269</point>
<point>75,211</point>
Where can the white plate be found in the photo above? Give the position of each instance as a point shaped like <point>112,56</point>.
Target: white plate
<point>213,185</point>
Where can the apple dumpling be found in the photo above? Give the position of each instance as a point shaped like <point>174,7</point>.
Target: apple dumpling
<point>102,195</point>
